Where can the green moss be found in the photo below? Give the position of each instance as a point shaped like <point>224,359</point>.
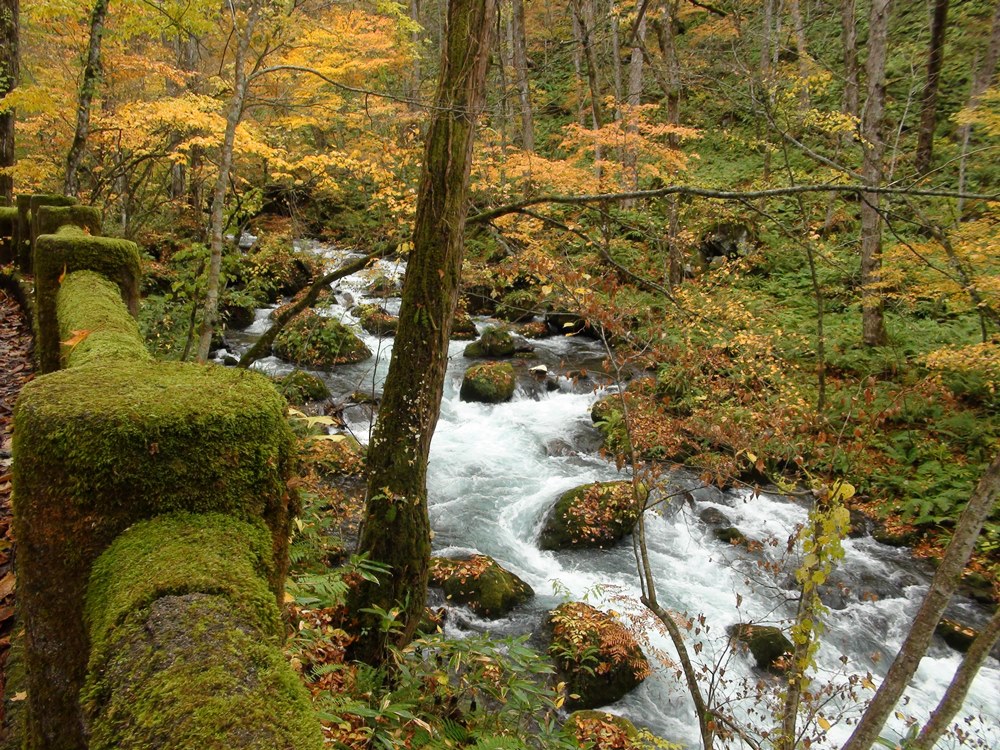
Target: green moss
<point>488,383</point>
<point>600,730</point>
<point>480,583</point>
<point>190,672</point>
<point>101,447</point>
<point>89,305</point>
<point>49,219</point>
<point>312,340</point>
<point>769,646</point>
<point>69,250</point>
<point>298,387</point>
<point>377,321</point>
<point>518,306</point>
<point>592,515</point>
<point>462,327</point>
<point>27,207</point>
<point>8,230</point>
<point>494,342</point>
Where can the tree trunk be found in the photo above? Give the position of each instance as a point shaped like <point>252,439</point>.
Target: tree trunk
<point>943,585</point>
<point>928,104</point>
<point>584,12</point>
<point>519,44</point>
<point>396,529</point>
<point>801,49</point>
<point>872,300</point>
<point>634,99</point>
<point>9,74</point>
<point>849,38</point>
<point>210,311</point>
<point>416,73</point>
<point>91,77</point>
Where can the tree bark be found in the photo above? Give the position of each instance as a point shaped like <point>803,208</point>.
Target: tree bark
<point>849,38</point>
<point>396,529</point>
<point>210,311</point>
<point>928,104</point>
<point>519,44</point>
<point>943,585</point>
<point>9,74</point>
<point>954,696</point>
<point>634,99</point>
<point>872,300</point>
<point>91,78</point>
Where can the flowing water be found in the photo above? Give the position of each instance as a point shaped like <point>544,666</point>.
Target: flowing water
<point>495,470</point>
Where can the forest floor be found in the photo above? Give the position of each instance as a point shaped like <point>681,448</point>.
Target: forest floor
<point>15,354</point>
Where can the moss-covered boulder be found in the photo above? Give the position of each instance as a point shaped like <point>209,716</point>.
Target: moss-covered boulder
<point>533,330</point>
<point>488,383</point>
<point>768,644</point>
<point>955,634</point>
<point>600,730</point>
<point>495,342</point>
<point>377,321</point>
<point>334,456</point>
<point>299,386</point>
<point>312,340</point>
<point>592,515</point>
<point>103,446</point>
<point>462,327</point>
<point>518,306</point>
<point>70,249</point>
<point>185,642</point>
<point>595,655</point>
<point>94,325</point>
<point>731,535</point>
<point>480,583</point>
<point>239,314</point>
<point>383,285</point>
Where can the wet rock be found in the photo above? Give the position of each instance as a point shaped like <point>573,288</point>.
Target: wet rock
<point>769,646</point>
<point>462,328</point>
<point>238,317</point>
<point>315,341</point>
<point>570,324</point>
<point>600,730</point>
<point>377,320</point>
<point>384,286</point>
<point>597,657</point>
<point>861,525</point>
<point>488,383</point>
<point>298,387</point>
<point>731,535</point>
<point>559,447</point>
<point>537,329</point>
<point>495,342</point>
<point>955,634</point>
<point>592,515</point>
<point>715,517</point>
<point>895,537</point>
<point>480,583</point>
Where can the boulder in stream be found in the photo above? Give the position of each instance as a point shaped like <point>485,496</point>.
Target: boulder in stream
<point>480,583</point>
<point>462,327</point>
<point>488,383</point>
<point>377,320</point>
<point>518,306</point>
<point>715,517</point>
<point>600,730</point>
<point>299,386</point>
<point>770,648</point>
<point>592,515</point>
<point>955,634</point>
<point>595,655</point>
<point>495,342</point>
<point>315,341</point>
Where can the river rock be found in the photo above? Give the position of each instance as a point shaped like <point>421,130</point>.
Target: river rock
<point>384,286</point>
<point>377,320</point>
<point>769,646</point>
<point>462,328</point>
<point>731,535</point>
<point>495,342</point>
<point>955,634</point>
<point>597,657</point>
<point>570,324</point>
<point>715,517</point>
<point>600,730</point>
<point>319,342</point>
<point>518,306</point>
<point>480,583</point>
<point>488,383</point>
<point>238,316</point>
<point>298,387</point>
<point>535,329</point>
<point>592,515</point>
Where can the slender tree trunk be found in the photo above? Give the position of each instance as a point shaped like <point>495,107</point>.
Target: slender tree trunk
<point>9,73</point>
<point>634,99</point>
<point>954,696</point>
<point>980,82</point>
<point>91,78</point>
<point>584,11</point>
<point>928,104</point>
<point>943,585</point>
<point>616,54</point>
<point>801,49</point>
<point>210,311</point>
<point>519,44</point>
<point>872,300</point>
<point>396,529</point>
<point>849,38</point>
<point>415,70</point>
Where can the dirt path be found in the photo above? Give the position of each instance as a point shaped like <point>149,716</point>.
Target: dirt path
<point>16,369</point>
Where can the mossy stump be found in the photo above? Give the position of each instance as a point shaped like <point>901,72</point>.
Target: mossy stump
<point>70,249</point>
<point>185,637</point>
<point>592,515</point>
<point>488,383</point>
<point>770,648</point>
<point>595,655</point>
<point>103,446</point>
<point>480,583</point>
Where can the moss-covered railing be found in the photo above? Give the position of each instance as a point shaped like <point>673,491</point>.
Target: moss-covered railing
<point>152,518</point>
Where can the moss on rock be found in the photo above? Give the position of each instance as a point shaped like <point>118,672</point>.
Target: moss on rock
<point>494,342</point>
<point>488,383</point>
<point>595,655</point>
<point>299,386</point>
<point>190,672</point>
<point>600,730</point>
<point>312,340</point>
<point>57,256</point>
<point>769,646</point>
<point>592,515</point>
<point>94,323</point>
<point>462,327</point>
<point>518,306</point>
<point>377,321</point>
<point>103,446</point>
<point>480,583</point>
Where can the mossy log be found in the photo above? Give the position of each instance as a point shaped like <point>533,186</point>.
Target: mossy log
<point>70,249</point>
<point>27,206</point>
<point>50,219</point>
<point>94,324</point>
<point>185,642</point>
<point>101,447</point>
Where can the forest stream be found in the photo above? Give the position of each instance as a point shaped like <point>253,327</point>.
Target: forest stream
<point>496,470</point>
